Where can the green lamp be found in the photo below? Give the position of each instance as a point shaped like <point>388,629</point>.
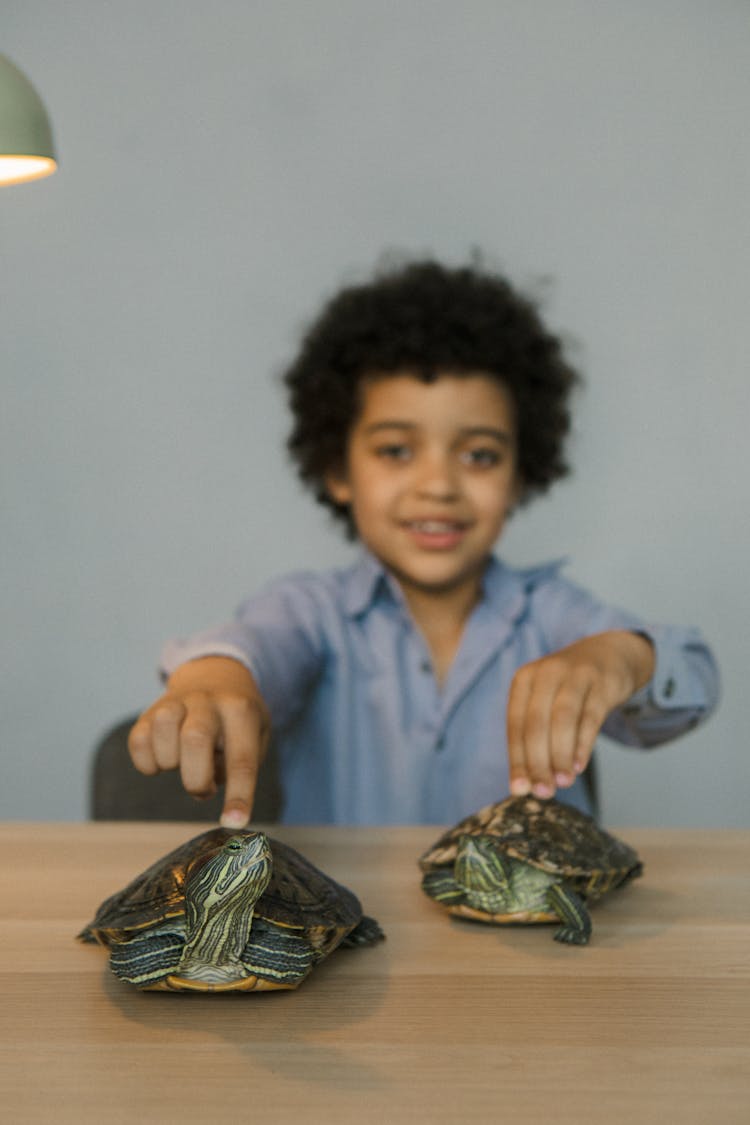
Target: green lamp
<point>26,148</point>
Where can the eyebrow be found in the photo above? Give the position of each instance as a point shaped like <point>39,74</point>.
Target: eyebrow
<point>501,436</point>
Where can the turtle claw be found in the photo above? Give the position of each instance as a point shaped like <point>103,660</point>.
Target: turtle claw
<point>570,935</point>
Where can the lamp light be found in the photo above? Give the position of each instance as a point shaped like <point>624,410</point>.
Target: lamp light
<point>26,148</point>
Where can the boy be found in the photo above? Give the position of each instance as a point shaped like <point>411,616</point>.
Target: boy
<point>428,679</point>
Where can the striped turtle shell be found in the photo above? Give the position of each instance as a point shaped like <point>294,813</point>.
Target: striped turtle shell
<point>549,835</point>
<point>301,917</point>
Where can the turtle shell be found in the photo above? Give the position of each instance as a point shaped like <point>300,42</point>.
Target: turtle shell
<point>550,835</point>
<point>300,904</point>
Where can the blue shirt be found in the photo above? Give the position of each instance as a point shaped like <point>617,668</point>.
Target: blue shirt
<point>364,733</point>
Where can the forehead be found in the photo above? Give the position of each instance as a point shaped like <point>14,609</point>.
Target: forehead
<point>451,401</point>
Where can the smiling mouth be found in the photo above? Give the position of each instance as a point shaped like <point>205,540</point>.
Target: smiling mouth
<point>436,533</point>
<point>435,527</point>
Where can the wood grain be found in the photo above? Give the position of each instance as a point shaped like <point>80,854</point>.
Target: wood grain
<point>445,1021</point>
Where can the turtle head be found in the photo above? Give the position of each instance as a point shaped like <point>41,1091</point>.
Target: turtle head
<point>483,872</point>
<point>234,876</point>
<point>220,897</point>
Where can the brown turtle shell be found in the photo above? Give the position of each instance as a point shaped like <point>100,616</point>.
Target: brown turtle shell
<point>548,834</point>
<point>299,896</point>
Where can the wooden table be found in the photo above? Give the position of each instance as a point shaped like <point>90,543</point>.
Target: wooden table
<point>445,1021</point>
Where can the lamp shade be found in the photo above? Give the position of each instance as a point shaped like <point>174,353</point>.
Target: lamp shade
<point>26,148</point>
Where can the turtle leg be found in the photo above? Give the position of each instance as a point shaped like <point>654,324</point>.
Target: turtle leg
<point>576,927</point>
<point>147,959</point>
<point>441,886</point>
<point>365,932</point>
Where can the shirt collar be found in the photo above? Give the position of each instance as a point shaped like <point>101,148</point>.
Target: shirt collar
<point>506,588</point>
<point>503,587</point>
<point>362,583</point>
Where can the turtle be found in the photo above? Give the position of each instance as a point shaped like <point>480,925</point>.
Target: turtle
<point>525,859</point>
<point>227,912</point>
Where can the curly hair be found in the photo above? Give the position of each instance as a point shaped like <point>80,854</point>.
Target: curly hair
<point>428,319</point>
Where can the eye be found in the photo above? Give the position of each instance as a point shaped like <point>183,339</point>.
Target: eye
<point>482,457</point>
<point>393,451</point>
<point>234,844</point>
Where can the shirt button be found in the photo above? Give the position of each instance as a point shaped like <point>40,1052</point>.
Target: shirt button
<point>440,742</point>
<point>669,688</point>
<point>426,666</point>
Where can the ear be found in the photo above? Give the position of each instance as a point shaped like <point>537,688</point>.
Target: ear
<point>338,487</point>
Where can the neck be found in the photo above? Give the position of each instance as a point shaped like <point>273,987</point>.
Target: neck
<point>220,899</point>
<point>212,953</point>
<point>441,617</point>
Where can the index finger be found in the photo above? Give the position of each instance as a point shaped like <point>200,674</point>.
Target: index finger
<point>245,734</point>
<point>518,699</point>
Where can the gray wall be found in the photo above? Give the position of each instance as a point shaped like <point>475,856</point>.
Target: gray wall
<point>226,166</point>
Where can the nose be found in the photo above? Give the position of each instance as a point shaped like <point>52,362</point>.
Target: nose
<point>437,478</point>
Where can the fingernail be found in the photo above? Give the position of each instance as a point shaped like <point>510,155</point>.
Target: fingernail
<point>233,818</point>
<point>520,786</point>
<point>542,790</point>
<point>564,779</point>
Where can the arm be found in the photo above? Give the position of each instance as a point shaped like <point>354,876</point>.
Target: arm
<point>603,669</point>
<point>212,723</point>
<point>226,686</point>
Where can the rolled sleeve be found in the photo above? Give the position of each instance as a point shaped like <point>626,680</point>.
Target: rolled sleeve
<point>214,642</point>
<point>682,693</point>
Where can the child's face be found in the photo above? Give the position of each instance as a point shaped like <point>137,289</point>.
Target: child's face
<point>430,476</point>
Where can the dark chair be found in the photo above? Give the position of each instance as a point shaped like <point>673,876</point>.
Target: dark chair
<point>119,792</point>
<point>591,784</point>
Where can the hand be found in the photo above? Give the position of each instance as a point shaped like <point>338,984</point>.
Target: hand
<point>211,723</point>
<point>557,705</point>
